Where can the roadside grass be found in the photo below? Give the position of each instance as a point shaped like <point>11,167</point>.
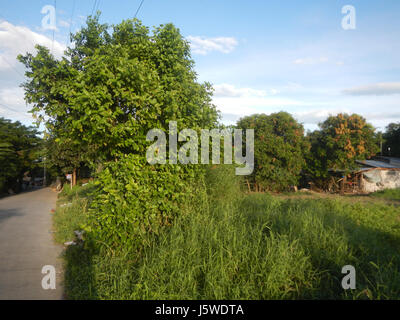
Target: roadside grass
<point>230,245</point>
<point>71,210</point>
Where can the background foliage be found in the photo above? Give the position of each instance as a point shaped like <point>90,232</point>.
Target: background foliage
<point>19,148</point>
<point>392,140</point>
<point>340,141</point>
<point>278,150</point>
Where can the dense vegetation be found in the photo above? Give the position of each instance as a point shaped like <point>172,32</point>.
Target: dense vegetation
<point>229,245</point>
<point>392,140</point>
<point>113,86</point>
<point>279,150</point>
<point>19,148</point>
<point>189,231</point>
<point>341,140</point>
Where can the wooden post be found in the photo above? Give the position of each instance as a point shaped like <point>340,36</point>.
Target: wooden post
<point>361,182</point>
<point>74,177</point>
<point>343,185</point>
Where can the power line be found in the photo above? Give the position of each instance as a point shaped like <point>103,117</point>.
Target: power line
<point>137,11</point>
<point>70,20</point>
<point>54,27</point>
<point>9,108</point>
<point>98,5</point>
<point>4,58</point>
<point>94,6</point>
<point>20,74</point>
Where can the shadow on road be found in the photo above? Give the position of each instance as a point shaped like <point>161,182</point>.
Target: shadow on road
<point>8,213</point>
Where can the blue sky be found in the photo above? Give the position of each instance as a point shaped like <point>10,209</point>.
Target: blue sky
<point>261,56</point>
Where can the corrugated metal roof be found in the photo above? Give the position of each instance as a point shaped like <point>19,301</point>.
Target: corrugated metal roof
<point>377,164</point>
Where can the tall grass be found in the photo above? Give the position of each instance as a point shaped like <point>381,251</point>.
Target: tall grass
<point>71,211</point>
<point>217,253</point>
<point>234,246</point>
<point>391,194</point>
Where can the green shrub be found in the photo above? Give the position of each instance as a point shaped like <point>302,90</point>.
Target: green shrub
<point>279,150</point>
<point>135,198</point>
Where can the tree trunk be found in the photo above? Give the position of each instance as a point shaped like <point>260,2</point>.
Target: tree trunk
<point>248,186</point>
<point>74,177</point>
<point>343,185</point>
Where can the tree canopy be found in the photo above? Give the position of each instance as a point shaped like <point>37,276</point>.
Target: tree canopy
<point>99,102</point>
<point>392,140</point>
<point>19,148</point>
<point>278,150</point>
<point>116,83</point>
<point>340,141</point>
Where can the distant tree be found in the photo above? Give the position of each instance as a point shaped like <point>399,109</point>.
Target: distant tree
<point>19,148</point>
<point>279,150</point>
<point>341,140</point>
<point>392,140</point>
<point>63,158</point>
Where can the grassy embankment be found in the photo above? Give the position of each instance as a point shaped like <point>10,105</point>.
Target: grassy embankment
<point>236,246</point>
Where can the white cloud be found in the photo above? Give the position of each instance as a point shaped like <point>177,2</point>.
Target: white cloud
<point>376,89</point>
<point>16,40</point>
<point>12,96</point>
<point>311,118</point>
<point>63,23</point>
<point>317,115</point>
<point>203,45</point>
<point>309,61</point>
<point>313,61</point>
<point>234,101</point>
<point>228,90</point>
<point>12,104</point>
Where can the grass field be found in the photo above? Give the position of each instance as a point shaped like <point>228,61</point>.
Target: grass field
<point>232,245</point>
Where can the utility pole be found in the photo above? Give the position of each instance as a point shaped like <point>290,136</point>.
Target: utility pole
<point>44,161</point>
<point>44,172</point>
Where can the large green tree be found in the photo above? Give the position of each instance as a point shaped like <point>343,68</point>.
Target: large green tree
<point>63,158</point>
<point>114,85</point>
<point>278,150</point>
<point>101,99</point>
<point>340,141</point>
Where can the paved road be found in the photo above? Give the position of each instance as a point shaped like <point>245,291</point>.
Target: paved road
<point>26,245</point>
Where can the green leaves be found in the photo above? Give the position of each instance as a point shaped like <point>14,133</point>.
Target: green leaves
<point>19,146</point>
<point>278,151</point>
<point>341,140</point>
<point>135,198</point>
<point>113,86</point>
